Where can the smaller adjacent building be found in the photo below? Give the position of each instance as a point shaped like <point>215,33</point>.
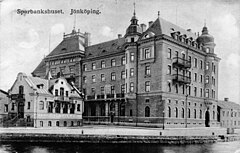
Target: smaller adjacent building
<point>3,106</point>
<point>44,102</point>
<point>229,114</point>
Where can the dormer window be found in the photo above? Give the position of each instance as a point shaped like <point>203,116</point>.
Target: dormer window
<point>207,50</point>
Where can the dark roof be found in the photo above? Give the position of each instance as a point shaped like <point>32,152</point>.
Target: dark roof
<point>4,92</point>
<point>40,69</point>
<point>228,105</point>
<point>68,45</point>
<point>104,48</point>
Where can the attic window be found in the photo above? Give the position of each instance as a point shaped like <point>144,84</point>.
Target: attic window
<point>40,86</point>
<point>89,54</point>
<point>172,29</point>
<point>103,51</point>
<point>64,49</point>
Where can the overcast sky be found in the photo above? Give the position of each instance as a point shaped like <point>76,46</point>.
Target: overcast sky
<point>25,39</point>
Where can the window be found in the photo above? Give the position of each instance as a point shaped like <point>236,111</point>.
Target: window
<point>12,106</point>
<point>201,92</point>
<point>176,112</point>
<point>207,50</point>
<point>207,66</point>
<point>169,86</point>
<point>84,79</point>
<point>169,111</point>
<point>93,66</point>
<point>113,62</point>
<point>147,86</point>
<point>176,88</point>
<point>190,59</point>
<point>130,112</point>
<point>5,107</point>
<point>147,111</point>
<point>113,76</point>
<point>195,91</point>
<point>183,89</point>
<point>213,115</point>
<point>214,69</point>
<point>195,113</point>
<point>123,60</point>
<point>182,113</point>
<point>84,67</point>
<point>207,93</point>
<point>71,69</point>
<point>65,123</point>
<point>169,69</point>
<point>53,71</point>
<point>29,105</point>
<point>131,56</point>
<point>21,89</point>
<point>195,77</point>
<point>93,79</point>
<point>169,53</point>
<point>123,88</point>
<point>201,64</point>
<point>102,77</point>
<point>103,65</point>
<point>147,100</point>
<point>126,73</point>
<point>147,70</point>
<point>41,123</point>
<point>195,62</point>
<point>61,91</point>
<point>62,70</point>
<point>123,76</point>
<point>131,72</point>
<point>78,107</point>
<point>102,90</point>
<point>147,53</point>
<point>49,123</point>
<point>176,53</point>
<point>93,91</point>
<point>41,105</point>
<point>200,114</point>
<point>132,39</point>
<point>201,78</point>
<point>189,90</point>
<point>183,56</point>
<point>131,87</point>
<point>189,113</point>
<point>112,89</point>
<point>207,79</point>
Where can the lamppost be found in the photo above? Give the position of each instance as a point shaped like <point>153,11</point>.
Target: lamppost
<point>163,119</point>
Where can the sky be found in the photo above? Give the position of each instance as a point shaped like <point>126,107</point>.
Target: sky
<point>26,39</point>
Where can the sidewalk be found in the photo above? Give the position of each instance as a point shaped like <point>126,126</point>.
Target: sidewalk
<point>120,130</point>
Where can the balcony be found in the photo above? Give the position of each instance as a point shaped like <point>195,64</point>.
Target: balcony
<point>61,98</point>
<point>105,96</point>
<point>181,79</point>
<point>181,63</point>
<point>17,97</point>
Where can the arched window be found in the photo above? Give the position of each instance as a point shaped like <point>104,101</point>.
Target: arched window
<point>169,112</point>
<point>200,114</point>
<point>21,89</point>
<point>147,111</point>
<point>195,113</point>
<point>182,112</point>
<point>41,105</point>
<point>57,123</point>
<point>176,112</point>
<point>213,115</point>
<point>189,113</point>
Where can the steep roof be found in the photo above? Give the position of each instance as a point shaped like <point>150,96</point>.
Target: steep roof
<point>228,105</point>
<point>4,92</point>
<point>162,26</point>
<point>40,70</point>
<point>105,48</point>
<point>35,81</point>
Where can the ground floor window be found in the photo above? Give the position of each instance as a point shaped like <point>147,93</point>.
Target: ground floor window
<point>78,123</point>
<point>65,123</point>
<point>57,123</point>
<point>49,123</point>
<point>41,123</point>
<point>147,111</point>
<point>72,123</point>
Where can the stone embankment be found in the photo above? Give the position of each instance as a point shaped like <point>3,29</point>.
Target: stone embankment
<point>82,138</point>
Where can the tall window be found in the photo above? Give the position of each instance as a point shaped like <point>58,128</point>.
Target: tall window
<point>102,90</point>
<point>61,91</point>
<point>176,112</point>
<point>195,77</point>
<point>102,77</point>
<point>93,66</point>
<point>207,93</point>
<point>213,115</point>
<point>93,91</point>
<point>56,92</point>
<point>113,76</point>
<point>195,91</point>
<point>169,111</point>
<point>21,89</point>
<point>176,53</point>
<point>131,56</point>
<point>201,64</point>
<point>131,72</point>
<point>29,105</point>
<point>169,86</point>
<point>84,79</point>
<point>183,89</point>
<point>147,111</point>
<point>112,89</point>
<point>207,79</point>
<point>195,113</point>
<point>41,105</point>
<point>93,79</point>
<point>190,59</point>
<point>123,76</point>
<point>113,62</point>
<point>147,86</point>
<point>201,92</point>
<point>195,62</point>
<point>189,90</point>
<point>147,70</point>
<point>176,88</point>
<point>189,113</point>
<point>123,60</point>
<point>103,65</point>
<point>169,53</point>
<point>200,114</point>
<point>169,69</point>
<point>182,112</point>
<point>84,67</point>
<point>207,66</point>
<point>123,88</point>
<point>131,87</point>
<point>147,54</point>
<point>201,78</point>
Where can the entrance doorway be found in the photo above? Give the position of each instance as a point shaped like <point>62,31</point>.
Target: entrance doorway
<point>20,110</point>
<point>207,119</point>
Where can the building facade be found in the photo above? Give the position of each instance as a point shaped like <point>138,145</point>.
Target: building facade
<point>155,75</point>
<point>3,106</point>
<point>43,103</point>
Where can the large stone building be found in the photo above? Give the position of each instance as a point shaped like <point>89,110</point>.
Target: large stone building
<point>152,75</point>
<point>38,102</point>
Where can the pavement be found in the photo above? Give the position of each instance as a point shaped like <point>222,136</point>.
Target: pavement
<point>119,130</point>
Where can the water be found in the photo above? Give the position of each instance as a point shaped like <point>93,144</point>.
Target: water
<point>220,147</point>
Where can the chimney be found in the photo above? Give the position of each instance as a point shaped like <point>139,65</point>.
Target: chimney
<point>119,36</point>
<point>143,27</point>
<point>226,99</point>
<point>150,23</point>
<point>87,39</point>
<point>189,30</point>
